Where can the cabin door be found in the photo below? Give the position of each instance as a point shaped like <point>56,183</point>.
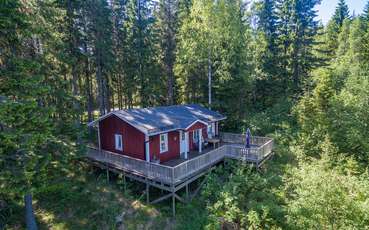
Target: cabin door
<point>182,142</point>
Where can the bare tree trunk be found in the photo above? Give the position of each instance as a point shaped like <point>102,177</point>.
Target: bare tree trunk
<point>88,90</point>
<point>100,84</point>
<point>170,85</point>
<point>106,93</point>
<point>209,79</point>
<point>120,96</point>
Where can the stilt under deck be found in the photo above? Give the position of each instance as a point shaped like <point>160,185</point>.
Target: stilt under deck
<point>177,174</point>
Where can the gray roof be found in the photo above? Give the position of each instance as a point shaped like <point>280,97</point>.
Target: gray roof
<point>161,119</point>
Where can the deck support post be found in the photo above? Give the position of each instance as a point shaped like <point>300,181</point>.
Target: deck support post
<point>173,194</point>
<point>98,135</point>
<point>187,192</point>
<point>173,204</point>
<point>147,193</point>
<point>124,182</point>
<point>107,174</point>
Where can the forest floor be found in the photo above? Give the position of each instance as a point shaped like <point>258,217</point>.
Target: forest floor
<point>88,201</point>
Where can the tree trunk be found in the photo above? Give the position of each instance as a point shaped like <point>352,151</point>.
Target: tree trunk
<point>170,84</point>
<point>107,93</point>
<point>209,79</point>
<point>88,87</point>
<point>100,84</point>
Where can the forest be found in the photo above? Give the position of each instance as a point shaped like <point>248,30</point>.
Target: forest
<point>270,65</point>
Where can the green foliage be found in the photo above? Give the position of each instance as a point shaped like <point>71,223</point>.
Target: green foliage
<point>227,54</point>
<point>341,13</point>
<point>192,216</point>
<point>142,54</point>
<point>60,58</point>
<point>239,195</point>
<point>336,107</point>
<point>298,29</point>
<point>324,198</point>
<point>365,15</point>
<point>267,55</point>
<point>332,35</point>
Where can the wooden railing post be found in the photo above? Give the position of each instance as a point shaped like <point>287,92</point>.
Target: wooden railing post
<point>173,176</point>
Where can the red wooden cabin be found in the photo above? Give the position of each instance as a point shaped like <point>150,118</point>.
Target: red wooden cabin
<point>158,133</point>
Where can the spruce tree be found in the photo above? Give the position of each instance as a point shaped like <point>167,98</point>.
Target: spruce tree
<point>334,28</point>
<point>167,23</point>
<point>365,14</point>
<point>269,73</point>
<point>99,14</point>
<point>34,98</point>
<point>298,28</point>
<point>341,13</point>
<point>142,68</point>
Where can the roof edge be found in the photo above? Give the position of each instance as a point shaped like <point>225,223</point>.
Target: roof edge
<point>121,118</point>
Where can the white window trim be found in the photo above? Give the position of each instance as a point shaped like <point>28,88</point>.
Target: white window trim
<point>117,138</point>
<point>165,135</point>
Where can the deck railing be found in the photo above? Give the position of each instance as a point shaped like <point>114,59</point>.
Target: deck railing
<point>149,170</point>
<point>233,148</point>
<point>260,146</point>
<point>196,164</point>
<point>235,138</point>
<point>254,154</point>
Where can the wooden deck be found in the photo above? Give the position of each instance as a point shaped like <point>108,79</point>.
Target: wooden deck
<point>178,174</point>
<point>178,170</point>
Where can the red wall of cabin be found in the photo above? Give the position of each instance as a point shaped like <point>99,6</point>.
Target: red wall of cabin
<point>173,147</point>
<point>133,139</point>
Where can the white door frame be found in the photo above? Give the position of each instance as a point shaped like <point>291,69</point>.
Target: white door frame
<point>183,144</point>
<point>147,148</point>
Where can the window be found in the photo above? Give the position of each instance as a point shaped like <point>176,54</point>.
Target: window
<point>183,136</point>
<point>210,131</point>
<point>163,142</point>
<point>196,135</point>
<point>118,142</point>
